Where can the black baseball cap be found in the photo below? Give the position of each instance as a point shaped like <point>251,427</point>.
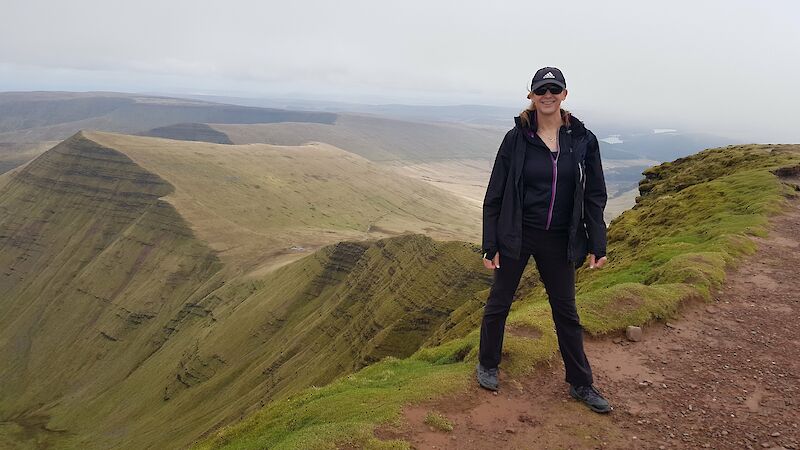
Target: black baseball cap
<point>548,75</point>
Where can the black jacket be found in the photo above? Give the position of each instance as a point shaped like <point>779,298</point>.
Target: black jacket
<point>502,205</point>
<point>548,196</point>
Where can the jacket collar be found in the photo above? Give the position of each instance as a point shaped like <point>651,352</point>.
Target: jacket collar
<point>576,127</point>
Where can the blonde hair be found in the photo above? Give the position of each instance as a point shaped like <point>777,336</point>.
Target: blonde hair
<point>525,115</point>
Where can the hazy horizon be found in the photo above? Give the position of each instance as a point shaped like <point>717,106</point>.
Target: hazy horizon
<point>675,65</point>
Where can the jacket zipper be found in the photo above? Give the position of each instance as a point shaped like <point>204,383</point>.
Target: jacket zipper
<point>583,184</point>
<point>555,179</point>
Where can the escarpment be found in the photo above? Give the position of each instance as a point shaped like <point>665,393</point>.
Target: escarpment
<point>120,326</point>
<point>93,265</point>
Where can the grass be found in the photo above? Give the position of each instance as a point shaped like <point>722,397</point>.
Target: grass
<point>438,421</point>
<point>343,412</point>
<point>690,225</point>
<point>160,342</point>
<point>164,344</point>
<point>253,203</point>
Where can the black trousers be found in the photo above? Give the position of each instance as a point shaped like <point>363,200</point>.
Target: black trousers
<point>549,250</point>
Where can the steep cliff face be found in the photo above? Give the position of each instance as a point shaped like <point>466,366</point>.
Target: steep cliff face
<point>90,257</point>
<point>93,266</point>
<point>362,302</point>
<point>120,327</point>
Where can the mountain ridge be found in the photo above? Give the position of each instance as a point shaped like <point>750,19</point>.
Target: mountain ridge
<point>692,221</point>
<point>272,204</point>
<point>121,326</point>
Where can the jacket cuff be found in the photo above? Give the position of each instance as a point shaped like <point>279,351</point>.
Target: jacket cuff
<point>489,253</point>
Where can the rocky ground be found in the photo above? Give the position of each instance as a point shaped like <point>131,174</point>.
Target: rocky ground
<point>723,376</point>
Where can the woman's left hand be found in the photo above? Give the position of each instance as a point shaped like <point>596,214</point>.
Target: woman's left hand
<point>596,264</point>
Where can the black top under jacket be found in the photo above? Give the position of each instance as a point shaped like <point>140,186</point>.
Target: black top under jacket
<point>503,203</point>
<point>547,206</point>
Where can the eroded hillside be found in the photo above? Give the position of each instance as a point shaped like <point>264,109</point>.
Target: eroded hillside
<point>122,324</point>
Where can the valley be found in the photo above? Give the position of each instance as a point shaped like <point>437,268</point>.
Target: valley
<point>168,277</point>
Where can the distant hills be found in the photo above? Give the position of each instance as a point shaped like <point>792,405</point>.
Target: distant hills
<point>459,142</point>
<point>15,154</point>
<point>33,117</point>
<point>36,116</point>
<point>378,139</point>
<point>190,132</point>
<point>640,141</point>
<point>27,117</point>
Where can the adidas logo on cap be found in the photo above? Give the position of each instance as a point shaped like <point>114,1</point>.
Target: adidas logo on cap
<point>548,75</point>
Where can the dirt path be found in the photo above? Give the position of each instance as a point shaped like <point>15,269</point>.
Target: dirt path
<point>725,376</point>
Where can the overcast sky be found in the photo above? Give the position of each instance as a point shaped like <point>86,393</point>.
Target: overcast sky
<point>727,67</point>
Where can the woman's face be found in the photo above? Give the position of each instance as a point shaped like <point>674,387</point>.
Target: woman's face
<point>549,103</point>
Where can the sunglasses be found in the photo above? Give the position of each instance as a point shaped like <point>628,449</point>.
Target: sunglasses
<point>555,90</point>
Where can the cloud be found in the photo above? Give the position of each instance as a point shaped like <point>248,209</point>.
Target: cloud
<point>711,64</point>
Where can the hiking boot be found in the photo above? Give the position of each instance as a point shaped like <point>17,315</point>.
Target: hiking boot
<point>487,378</point>
<point>591,397</point>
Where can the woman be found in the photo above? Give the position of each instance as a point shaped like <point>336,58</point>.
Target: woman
<point>545,198</point>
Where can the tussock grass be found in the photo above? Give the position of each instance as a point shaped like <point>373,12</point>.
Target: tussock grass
<point>344,411</point>
<point>438,421</point>
<point>689,226</point>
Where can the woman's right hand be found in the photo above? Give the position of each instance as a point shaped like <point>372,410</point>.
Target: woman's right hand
<point>494,263</point>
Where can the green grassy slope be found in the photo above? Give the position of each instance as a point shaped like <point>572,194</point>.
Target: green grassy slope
<point>121,327</point>
<point>260,205</point>
<point>94,267</point>
<point>689,225</point>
